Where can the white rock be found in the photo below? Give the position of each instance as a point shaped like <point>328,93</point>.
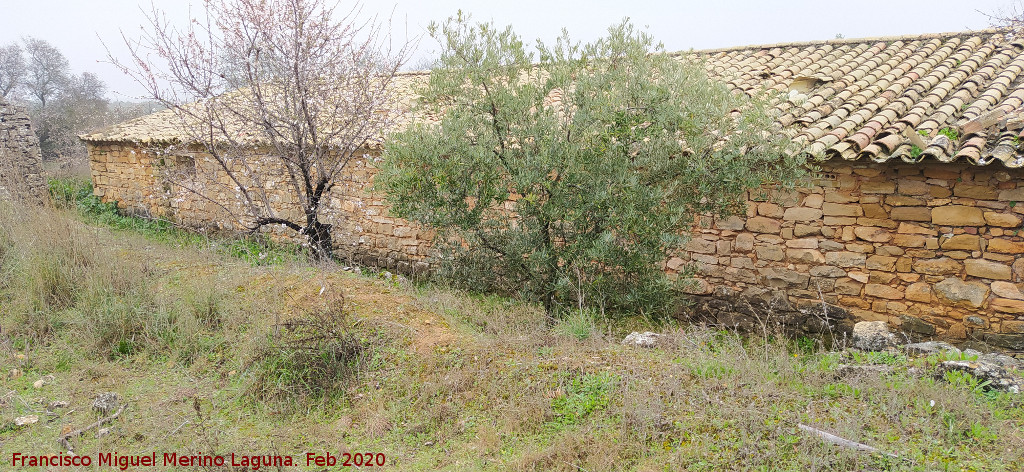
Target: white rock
<point>645,339</point>
<point>873,336</point>
<point>26,420</point>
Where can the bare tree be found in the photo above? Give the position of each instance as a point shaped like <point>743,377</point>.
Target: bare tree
<point>275,93</point>
<point>78,107</point>
<point>1009,17</point>
<point>47,70</point>
<point>12,69</point>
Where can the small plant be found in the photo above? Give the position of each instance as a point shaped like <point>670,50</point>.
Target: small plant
<point>580,324</point>
<point>583,395</point>
<point>950,133</point>
<point>966,381</point>
<point>878,357</point>
<point>309,358</point>
<point>915,152</point>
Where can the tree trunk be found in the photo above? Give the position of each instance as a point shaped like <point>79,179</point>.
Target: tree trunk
<point>320,242</point>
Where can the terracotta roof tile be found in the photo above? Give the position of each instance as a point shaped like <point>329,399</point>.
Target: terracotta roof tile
<point>854,98</point>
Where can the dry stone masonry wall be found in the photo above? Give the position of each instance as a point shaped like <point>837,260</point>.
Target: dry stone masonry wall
<point>134,177</point>
<point>20,159</point>
<point>934,249</point>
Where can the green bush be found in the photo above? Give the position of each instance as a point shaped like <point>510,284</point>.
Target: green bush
<point>568,176</point>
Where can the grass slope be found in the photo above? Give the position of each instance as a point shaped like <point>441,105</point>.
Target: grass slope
<point>215,351</point>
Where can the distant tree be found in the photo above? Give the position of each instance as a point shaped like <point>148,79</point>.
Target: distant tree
<point>78,107</point>
<point>567,176</point>
<point>279,95</point>
<point>47,70</point>
<point>1009,17</point>
<point>12,69</point>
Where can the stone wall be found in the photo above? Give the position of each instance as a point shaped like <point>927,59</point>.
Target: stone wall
<point>931,248</point>
<point>135,178</point>
<point>20,160</point>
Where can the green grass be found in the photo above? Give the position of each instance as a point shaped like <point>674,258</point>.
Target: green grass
<point>77,194</point>
<point>214,354</point>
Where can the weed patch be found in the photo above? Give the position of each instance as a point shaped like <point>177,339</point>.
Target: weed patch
<point>309,359</point>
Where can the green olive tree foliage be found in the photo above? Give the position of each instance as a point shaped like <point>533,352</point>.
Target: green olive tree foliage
<point>568,175</point>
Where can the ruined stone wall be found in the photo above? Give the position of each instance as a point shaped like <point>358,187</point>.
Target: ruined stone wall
<point>931,248</point>
<point>136,179</point>
<point>20,160</point>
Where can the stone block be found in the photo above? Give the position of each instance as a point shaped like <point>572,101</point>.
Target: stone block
<point>742,263</point>
<point>723,247</point>
<point>978,192</point>
<point>882,222</point>
<point>700,245</point>
<point>908,240</point>
<point>936,191</point>
<point>845,259</point>
<point>875,235</point>
<point>913,187</point>
<point>1016,327</point>
<point>903,200</point>
<point>914,324</point>
<point>940,266</point>
<point>840,197</point>
<point>784,278</point>
<point>882,291</point>
<point>806,243</point>
<point>919,292</point>
<point>881,263</point>
<point>987,269</point>
<point>1006,305</point>
<point>1002,220</point>
<point>881,277</point>
<point>859,276</point>
<point>874,210</point>
<point>957,292</point>
<point>760,224</point>
<point>839,221</point>
<point>838,209</point>
<point>802,214</point>
<point>957,215</point>
<point>889,251</point>
<point>847,286</point>
<point>965,242</point>
<point>1007,341</point>
<point>1005,246</point>
<point>744,242</point>
<point>1012,195</point>
<point>1007,290</point>
<point>827,271</point>
<point>911,228</point>
<point>806,256</point>
<point>911,213</point>
<point>732,223</point>
<point>883,187</point>
<point>802,230</point>
<point>770,210</point>
<point>770,253</point>
<point>814,200</point>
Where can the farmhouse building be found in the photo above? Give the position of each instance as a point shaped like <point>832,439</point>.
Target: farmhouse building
<point>912,218</point>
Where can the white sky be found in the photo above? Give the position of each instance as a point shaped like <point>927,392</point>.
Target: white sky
<point>77,26</point>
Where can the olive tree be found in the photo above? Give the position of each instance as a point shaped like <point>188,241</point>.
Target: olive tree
<point>566,175</point>
<point>279,95</point>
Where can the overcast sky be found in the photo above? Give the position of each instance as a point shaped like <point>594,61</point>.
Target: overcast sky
<point>77,26</point>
